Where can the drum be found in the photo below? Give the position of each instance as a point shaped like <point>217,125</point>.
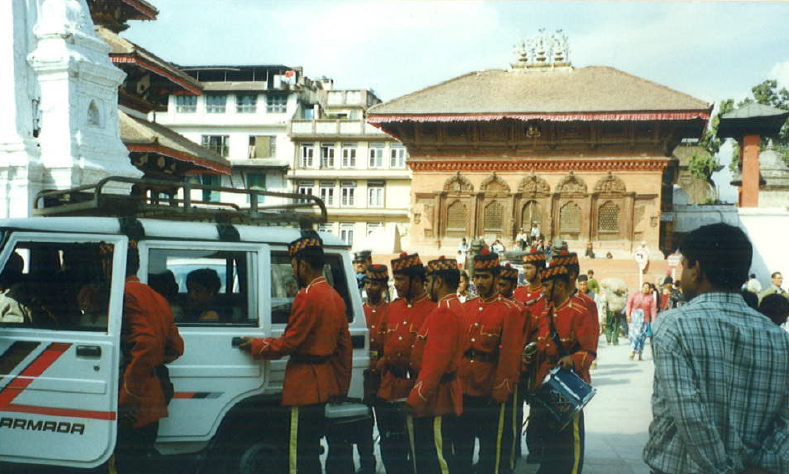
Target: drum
<point>563,394</point>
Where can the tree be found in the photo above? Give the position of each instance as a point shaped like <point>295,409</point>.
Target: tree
<point>766,93</point>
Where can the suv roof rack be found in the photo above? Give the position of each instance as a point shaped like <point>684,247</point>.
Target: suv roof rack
<point>173,200</point>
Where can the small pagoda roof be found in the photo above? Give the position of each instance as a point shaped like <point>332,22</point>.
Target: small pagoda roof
<point>148,137</point>
<point>564,94</point>
<point>126,52</point>
<point>753,118</point>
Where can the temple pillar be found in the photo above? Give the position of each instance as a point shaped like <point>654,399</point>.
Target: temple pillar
<point>750,147</point>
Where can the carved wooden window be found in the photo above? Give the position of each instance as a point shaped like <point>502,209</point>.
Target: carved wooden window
<point>493,221</point>
<point>456,219</point>
<point>531,213</point>
<point>608,221</point>
<point>570,221</point>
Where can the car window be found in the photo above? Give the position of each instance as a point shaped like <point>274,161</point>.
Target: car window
<point>206,287</point>
<point>53,285</point>
<point>284,286</point>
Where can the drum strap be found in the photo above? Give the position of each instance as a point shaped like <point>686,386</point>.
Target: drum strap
<point>559,347</point>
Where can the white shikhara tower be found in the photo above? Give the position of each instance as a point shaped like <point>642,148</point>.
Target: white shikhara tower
<point>59,95</point>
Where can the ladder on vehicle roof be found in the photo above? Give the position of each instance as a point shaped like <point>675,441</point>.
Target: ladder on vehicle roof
<point>174,200</point>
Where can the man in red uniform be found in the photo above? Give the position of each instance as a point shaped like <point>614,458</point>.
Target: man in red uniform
<point>577,330</point>
<point>375,284</point>
<point>436,400</point>
<point>506,283</point>
<point>531,295</point>
<point>319,345</point>
<point>149,339</point>
<point>404,317</point>
<point>489,369</point>
<point>570,261</point>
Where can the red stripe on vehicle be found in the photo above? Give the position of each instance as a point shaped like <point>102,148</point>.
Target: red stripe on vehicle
<point>68,412</point>
<point>31,372</point>
<point>184,395</point>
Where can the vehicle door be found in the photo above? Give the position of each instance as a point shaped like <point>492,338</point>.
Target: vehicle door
<point>60,322</point>
<point>284,287</point>
<point>213,289</point>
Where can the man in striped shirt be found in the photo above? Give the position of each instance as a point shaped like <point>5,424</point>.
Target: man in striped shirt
<point>720,399</point>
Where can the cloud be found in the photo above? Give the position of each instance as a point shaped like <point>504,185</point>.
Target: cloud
<point>780,72</point>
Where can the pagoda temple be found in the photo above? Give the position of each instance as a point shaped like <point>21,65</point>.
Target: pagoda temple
<point>585,154</point>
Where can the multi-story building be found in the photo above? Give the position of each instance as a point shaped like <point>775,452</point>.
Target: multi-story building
<point>358,171</point>
<point>243,115</point>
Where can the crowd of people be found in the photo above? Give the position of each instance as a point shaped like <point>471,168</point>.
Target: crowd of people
<point>454,358</point>
<point>439,389</point>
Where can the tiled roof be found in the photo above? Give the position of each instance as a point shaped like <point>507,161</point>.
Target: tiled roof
<point>589,90</point>
<point>143,136</point>
<point>124,51</point>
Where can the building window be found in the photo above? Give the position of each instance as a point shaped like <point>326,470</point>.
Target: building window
<point>261,146</point>
<point>608,221</point>
<point>256,182</point>
<point>186,104</point>
<point>397,156</point>
<point>346,233</point>
<point>246,103</point>
<point>306,187</point>
<point>327,192</point>
<point>376,155</point>
<point>375,194</point>
<point>306,156</point>
<point>349,155</point>
<point>493,219</point>
<point>326,228</point>
<point>210,180</point>
<point>276,103</point>
<point>216,143</point>
<point>215,103</point>
<point>456,219</point>
<point>570,221</point>
<point>347,192</point>
<point>373,226</point>
<point>327,155</point>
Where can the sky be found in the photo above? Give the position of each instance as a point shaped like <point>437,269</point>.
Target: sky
<point>710,50</point>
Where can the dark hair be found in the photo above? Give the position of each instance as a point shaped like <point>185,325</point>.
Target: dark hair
<point>132,261</point>
<point>583,278</point>
<point>668,280</point>
<point>462,274</point>
<point>775,307</point>
<point>723,251</point>
<point>315,261</point>
<point>208,277</point>
<point>774,273</point>
<point>590,272</point>
<point>752,275</point>
<point>164,283</point>
<point>451,278</point>
<point>750,299</point>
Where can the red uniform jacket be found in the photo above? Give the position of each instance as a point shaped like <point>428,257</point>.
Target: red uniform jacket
<point>374,315</point>
<point>578,331</point>
<point>534,301</point>
<point>493,342</point>
<point>403,320</point>
<point>587,301</point>
<point>149,338</point>
<point>317,326</point>
<point>436,357</point>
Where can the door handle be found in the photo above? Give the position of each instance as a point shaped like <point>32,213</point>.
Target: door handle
<point>237,341</point>
<point>88,351</point>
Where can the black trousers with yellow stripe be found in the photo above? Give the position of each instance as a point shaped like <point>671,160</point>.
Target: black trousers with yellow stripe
<point>482,419</point>
<point>563,449</point>
<point>305,427</point>
<point>432,443</point>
